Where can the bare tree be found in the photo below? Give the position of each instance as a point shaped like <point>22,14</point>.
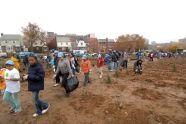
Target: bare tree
<point>32,33</point>
<point>130,42</point>
<point>42,38</point>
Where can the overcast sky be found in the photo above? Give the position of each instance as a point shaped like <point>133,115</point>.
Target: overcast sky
<point>157,20</point>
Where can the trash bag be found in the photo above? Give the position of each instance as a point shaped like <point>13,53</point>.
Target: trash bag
<point>122,64</point>
<point>138,70</point>
<point>72,84</point>
<point>77,69</point>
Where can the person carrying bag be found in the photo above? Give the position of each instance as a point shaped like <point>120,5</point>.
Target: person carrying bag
<point>64,70</point>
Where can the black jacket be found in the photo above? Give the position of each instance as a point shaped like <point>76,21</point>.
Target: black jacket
<point>36,76</point>
<point>138,63</point>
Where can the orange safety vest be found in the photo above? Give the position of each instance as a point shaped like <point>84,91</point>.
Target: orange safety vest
<point>2,81</point>
<point>85,65</point>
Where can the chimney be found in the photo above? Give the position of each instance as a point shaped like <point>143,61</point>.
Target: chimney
<point>1,34</point>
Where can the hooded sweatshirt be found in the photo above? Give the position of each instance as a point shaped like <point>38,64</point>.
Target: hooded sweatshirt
<point>64,66</point>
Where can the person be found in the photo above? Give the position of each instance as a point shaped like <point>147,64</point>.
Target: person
<point>108,61</point>
<point>2,81</point>
<point>11,95</point>
<point>125,60</point>
<point>35,79</point>
<point>100,63</point>
<point>16,61</point>
<point>151,56</point>
<point>64,70</point>
<point>138,55</point>
<point>86,68</point>
<point>52,61</point>
<point>118,55</point>
<point>73,63</point>
<point>114,61</point>
<point>25,61</point>
<point>138,66</point>
<point>56,59</point>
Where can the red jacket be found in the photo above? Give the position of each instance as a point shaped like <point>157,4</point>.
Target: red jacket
<point>100,62</point>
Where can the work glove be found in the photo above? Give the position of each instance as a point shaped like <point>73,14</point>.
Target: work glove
<point>25,77</point>
<point>70,75</point>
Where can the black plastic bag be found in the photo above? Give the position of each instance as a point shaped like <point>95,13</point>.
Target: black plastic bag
<point>72,84</point>
<point>77,69</point>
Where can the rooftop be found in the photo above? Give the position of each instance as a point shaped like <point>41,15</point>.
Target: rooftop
<point>106,40</point>
<point>10,37</point>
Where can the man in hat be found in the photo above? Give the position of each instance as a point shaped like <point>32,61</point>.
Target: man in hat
<point>12,90</point>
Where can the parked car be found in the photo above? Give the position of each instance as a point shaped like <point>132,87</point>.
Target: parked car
<point>79,53</point>
<point>3,55</point>
<point>23,54</point>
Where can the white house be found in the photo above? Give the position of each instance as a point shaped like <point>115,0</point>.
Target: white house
<point>38,46</point>
<point>63,42</point>
<point>38,43</point>
<point>81,45</point>
<point>11,43</point>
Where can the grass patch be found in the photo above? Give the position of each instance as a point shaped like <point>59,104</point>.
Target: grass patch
<point>108,79</point>
<point>174,68</point>
<point>116,74</point>
<point>127,72</point>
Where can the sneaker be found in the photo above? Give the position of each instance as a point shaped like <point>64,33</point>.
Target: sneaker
<point>35,115</point>
<point>55,85</point>
<point>15,112</point>
<point>45,110</point>
<point>11,111</point>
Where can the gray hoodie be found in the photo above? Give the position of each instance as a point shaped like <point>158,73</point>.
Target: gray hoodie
<point>64,66</point>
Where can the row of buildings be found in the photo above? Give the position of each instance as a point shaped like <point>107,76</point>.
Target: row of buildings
<point>68,42</point>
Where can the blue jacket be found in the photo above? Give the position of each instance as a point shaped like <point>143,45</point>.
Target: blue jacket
<point>36,76</point>
<point>107,59</point>
<point>56,61</point>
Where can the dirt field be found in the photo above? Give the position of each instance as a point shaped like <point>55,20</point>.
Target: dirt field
<point>158,96</point>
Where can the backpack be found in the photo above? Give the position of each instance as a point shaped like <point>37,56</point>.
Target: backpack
<point>114,58</point>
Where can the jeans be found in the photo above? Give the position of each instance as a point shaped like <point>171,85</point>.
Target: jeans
<point>40,105</point>
<point>86,78</point>
<point>108,66</point>
<point>125,64</point>
<point>116,65</point>
<point>111,65</point>
<point>13,100</point>
<point>58,77</point>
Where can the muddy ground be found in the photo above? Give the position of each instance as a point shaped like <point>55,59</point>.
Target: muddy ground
<point>158,96</point>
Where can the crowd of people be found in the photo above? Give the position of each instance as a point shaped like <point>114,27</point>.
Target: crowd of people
<point>65,66</point>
